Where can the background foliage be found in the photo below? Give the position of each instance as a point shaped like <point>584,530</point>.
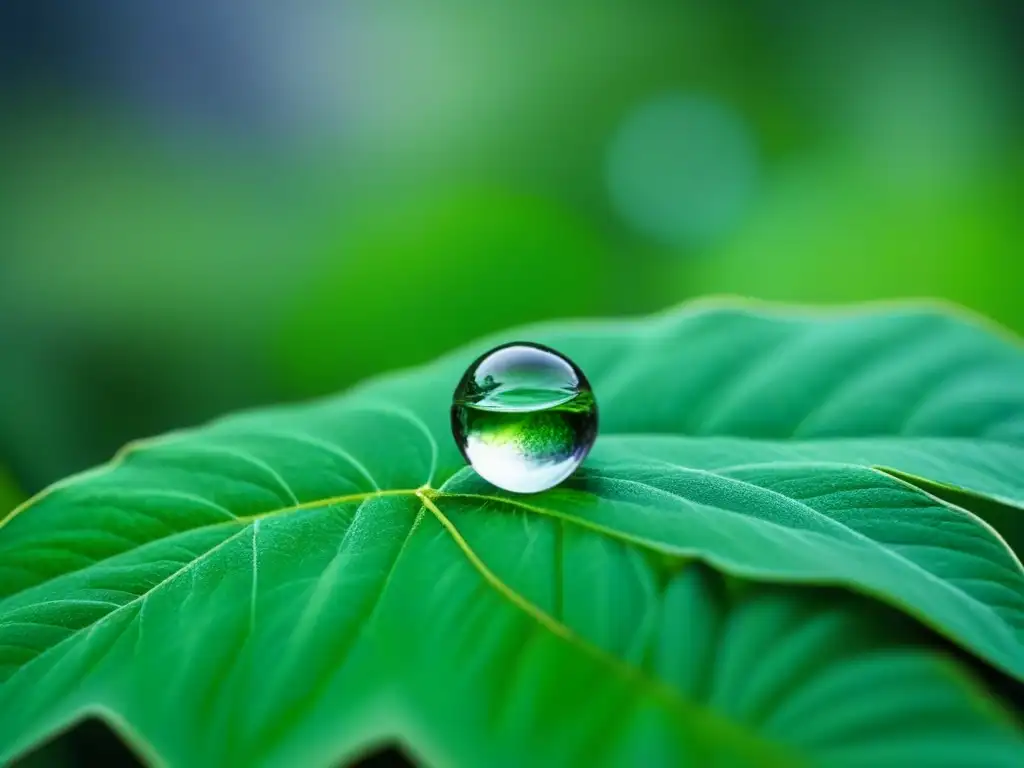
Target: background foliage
<point>298,198</point>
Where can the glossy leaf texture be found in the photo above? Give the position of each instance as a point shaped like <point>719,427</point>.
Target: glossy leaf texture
<point>782,514</point>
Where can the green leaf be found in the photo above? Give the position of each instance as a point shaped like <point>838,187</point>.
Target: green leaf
<point>290,586</point>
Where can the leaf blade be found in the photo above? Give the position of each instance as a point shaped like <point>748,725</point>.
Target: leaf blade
<point>308,579</point>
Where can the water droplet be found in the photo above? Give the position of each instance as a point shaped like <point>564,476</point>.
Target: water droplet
<point>524,417</point>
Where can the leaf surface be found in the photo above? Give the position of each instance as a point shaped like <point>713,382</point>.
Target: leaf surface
<point>729,578</point>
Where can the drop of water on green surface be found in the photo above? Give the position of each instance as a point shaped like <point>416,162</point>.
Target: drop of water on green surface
<point>524,417</point>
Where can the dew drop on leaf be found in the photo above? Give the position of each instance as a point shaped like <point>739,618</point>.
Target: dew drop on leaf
<point>524,417</point>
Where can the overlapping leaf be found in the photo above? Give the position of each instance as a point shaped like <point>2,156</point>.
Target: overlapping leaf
<point>288,586</point>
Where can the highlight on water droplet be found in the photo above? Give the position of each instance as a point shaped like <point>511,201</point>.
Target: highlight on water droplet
<point>524,417</point>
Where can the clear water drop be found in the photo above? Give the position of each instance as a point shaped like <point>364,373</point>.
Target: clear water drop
<point>524,417</point>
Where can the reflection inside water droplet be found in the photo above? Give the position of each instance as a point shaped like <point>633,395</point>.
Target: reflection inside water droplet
<point>524,417</point>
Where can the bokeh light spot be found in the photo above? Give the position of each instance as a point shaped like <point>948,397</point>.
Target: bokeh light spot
<point>682,169</point>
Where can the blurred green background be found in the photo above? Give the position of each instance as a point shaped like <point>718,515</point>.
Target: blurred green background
<point>206,204</point>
